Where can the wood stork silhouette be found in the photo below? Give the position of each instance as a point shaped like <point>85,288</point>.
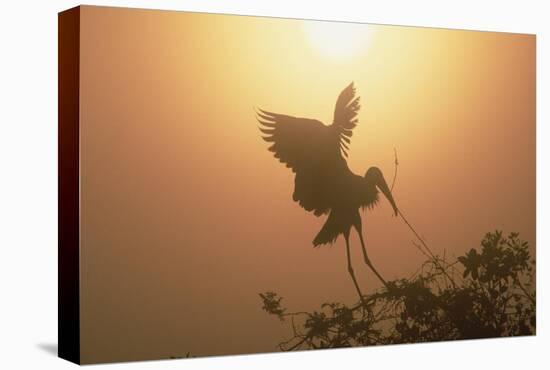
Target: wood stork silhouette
<point>324,184</point>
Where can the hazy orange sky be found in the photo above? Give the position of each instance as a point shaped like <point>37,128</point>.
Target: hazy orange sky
<point>186,216</point>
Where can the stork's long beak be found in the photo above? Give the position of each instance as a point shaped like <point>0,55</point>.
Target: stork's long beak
<point>383,186</point>
<point>380,182</point>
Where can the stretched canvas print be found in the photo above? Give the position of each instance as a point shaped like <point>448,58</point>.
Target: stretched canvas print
<point>234,184</point>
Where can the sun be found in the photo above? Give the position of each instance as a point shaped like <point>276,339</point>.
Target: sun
<point>337,40</point>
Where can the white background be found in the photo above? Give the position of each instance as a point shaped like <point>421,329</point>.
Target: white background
<point>28,183</point>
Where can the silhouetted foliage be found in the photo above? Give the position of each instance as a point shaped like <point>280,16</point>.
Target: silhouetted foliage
<point>488,292</point>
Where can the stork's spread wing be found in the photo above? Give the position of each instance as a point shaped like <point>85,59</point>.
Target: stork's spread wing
<point>345,115</point>
<point>314,151</point>
<point>296,141</point>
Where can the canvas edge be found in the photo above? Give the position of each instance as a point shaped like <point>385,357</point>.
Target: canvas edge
<point>69,185</point>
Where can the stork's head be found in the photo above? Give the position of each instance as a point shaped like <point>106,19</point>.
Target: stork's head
<point>374,177</point>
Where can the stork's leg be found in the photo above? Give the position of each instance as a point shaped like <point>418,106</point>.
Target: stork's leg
<point>365,256</point>
<point>350,268</point>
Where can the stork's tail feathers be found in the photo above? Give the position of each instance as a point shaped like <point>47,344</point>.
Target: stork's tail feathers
<point>329,232</point>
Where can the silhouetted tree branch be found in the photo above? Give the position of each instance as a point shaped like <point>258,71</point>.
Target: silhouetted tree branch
<point>495,297</point>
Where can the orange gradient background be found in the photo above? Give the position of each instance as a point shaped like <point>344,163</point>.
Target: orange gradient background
<point>186,216</point>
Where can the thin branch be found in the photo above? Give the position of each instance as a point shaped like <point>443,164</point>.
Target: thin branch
<point>427,248</point>
<point>396,163</point>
